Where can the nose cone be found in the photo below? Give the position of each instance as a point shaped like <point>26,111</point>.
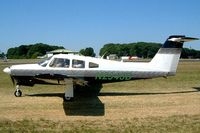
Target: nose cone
<point>7,70</point>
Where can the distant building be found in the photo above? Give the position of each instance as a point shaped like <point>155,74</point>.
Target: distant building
<point>128,58</point>
<point>58,51</point>
<point>5,59</point>
<point>112,57</point>
<point>61,51</point>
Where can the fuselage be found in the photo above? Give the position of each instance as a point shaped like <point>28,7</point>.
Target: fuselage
<point>89,68</point>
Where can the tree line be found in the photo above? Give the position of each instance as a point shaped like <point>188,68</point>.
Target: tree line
<point>30,51</point>
<point>142,50</point>
<point>87,52</point>
<point>2,55</point>
<point>139,49</point>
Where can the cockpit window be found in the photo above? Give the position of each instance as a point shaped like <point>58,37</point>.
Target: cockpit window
<point>44,62</point>
<point>78,64</point>
<point>93,65</point>
<point>60,62</point>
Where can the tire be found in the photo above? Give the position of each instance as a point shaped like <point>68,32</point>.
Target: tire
<point>67,99</point>
<point>18,93</point>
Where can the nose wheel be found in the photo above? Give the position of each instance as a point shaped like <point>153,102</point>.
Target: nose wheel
<point>18,92</point>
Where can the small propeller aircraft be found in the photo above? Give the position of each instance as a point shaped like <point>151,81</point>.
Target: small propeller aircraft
<point>76,69</point>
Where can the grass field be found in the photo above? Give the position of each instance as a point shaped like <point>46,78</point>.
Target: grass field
<point>155,105</point>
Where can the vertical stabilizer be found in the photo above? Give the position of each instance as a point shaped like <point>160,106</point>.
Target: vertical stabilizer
<point>168,55</point>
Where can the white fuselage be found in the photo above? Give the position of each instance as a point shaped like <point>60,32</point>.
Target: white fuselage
<point>105,68</point>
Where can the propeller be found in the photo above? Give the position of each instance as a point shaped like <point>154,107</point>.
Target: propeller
<point>8,71</point>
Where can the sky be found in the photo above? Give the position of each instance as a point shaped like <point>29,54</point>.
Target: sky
<point>77,24</point>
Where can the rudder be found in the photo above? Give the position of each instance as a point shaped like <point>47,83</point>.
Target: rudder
<point>168,56</point>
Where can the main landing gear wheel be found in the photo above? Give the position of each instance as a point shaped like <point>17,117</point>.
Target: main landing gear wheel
<point>68,99</point>
<point>18,93</point>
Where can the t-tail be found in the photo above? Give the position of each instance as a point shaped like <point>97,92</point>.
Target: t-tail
<point>168,55</point>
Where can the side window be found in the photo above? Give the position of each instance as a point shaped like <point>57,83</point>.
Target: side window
<point>60,62</point>
<point>93,65</point>
<point>66,63</point>
<point>78,64</point>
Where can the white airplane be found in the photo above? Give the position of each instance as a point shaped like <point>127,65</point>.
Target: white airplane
<point>75,69</point>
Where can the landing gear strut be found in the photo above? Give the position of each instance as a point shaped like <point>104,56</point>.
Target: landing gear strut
<point>69,92</point>
<point>18,92</point>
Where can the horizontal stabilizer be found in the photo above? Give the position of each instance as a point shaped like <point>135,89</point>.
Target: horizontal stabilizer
<point>176,41</point>
<point>182,39</point>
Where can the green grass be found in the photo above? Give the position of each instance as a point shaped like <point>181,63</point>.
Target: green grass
<point>154,105</point>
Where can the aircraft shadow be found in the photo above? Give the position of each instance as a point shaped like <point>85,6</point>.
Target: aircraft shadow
<point>88,106</point>
<point>134,94</point>
<point>85,102</point>
<point>196,88</point>
<point>46,95</point>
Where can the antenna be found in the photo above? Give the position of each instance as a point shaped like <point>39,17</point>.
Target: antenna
<point>104,54</point>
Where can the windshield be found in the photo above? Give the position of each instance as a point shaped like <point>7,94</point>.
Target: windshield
<point>45,62</point>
